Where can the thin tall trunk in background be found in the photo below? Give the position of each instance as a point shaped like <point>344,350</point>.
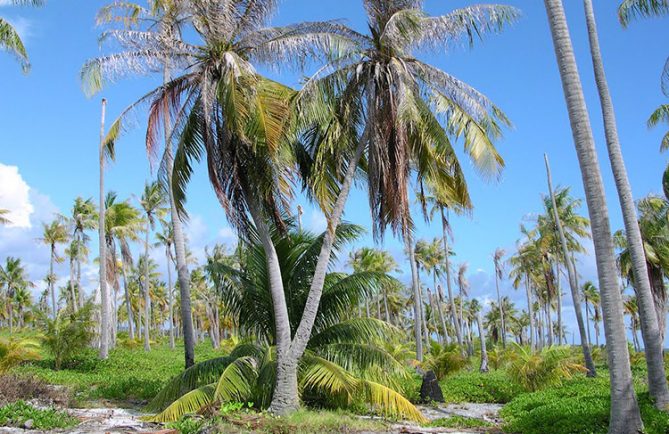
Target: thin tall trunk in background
<point>447,265</point>
<point>650,330</point>
<point>571,274</point>
<point>147,289</point>
<point>484,352</point>
<point>417,310</point>
<point>170,294</point>
<point>104,289</point>
<point>624,413</point>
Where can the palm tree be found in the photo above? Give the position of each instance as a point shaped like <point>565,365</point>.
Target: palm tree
<point>53,234</point>
<point>13,278</point>
<point>166,239</point>
<point>631,309</point>
<point>153,203</point>
<point>499,273</point>
<point>593,297</point>
<point>165,19</point>
<point>105,152</point>
<point>345,357</point>
<point>624,416</point>
<point>249,142</point>
<point>10,40</point>
<point>463,285</point>
<point>82,219</point>
<point>571,273</point>
<point>650,329</point>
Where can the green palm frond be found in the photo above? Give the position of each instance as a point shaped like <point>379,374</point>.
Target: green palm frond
<point>370,330</point>
<point>327,377</point>
<point>237,380</point>
<point>198,375</point>
<point>192,402</point>
<point>632,9</point>
<point>11,41</point>
<point>387,401</point>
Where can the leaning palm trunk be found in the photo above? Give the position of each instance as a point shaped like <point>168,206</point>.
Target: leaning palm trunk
<point>183,276</point>
<point>454,316</point>
<point>650,330</point>
<point>558,293</point>
<point>659,291</point>
<point>104,289</point>
<point>530,312</point>
<point>571,274</point>
<point>442,316</point>
<point>73,296</point>
<point>417,310</point>
<point>147,289</point>
<point>128,307</point>
<point>170,295</point>
<point>52,291</point>
<point>502,331</point>
<point>624,416</point>
<point>484,352</point>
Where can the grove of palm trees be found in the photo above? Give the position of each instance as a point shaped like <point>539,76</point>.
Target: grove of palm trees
<point>377,216</point>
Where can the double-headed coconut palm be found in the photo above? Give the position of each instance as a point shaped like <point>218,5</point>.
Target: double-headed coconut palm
<point>624,416</point>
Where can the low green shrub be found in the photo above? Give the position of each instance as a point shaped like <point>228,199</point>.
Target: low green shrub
<point>18,413</point>
<point>445,360</point>
<point>534,370</point>
<point>491,387</point>
<point>68,335</point>
<point>187,425</point>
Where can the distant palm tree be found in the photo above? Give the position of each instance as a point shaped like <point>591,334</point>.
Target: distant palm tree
<point>153,203</point>
<point>590,291</point>
<point>624,412</point>
<point>10,40</point>
<point>53,234</point>
<point>497,257</point>
<point>82,219</point>
<point>13,278</point>
<point>166,239</point>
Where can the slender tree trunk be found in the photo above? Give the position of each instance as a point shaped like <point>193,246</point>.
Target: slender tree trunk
<point>73,296</point>
<point>530,312</point>
<point>423,313</point>
<point>587,319</point>
<point>624,416</point>
<point>183,276</point>
<point>170,295</point>
<point>52,291</point>
<point>650,330</point>
<point>558,287</point>
<point>128,306</point>
<point>147,289</point>
<point>447,265</point>
<point>385,304</point>
<point>501,309</point>
<point>10,310</point>
<point>659,293</point>
<point>104,289</point>
<point>79,287</point>
<point>484,352</point>
<point>571,273</point>
<point>442,317</point>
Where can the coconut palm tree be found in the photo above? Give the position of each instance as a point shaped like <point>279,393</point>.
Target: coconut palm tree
<point>345,357</point>
<point>249,139</point>
<point>463,285</point>
<point>592,294</point>
<point>10,40</point>
<point>499,274</point>
<point>571,273</point>
<point>13,278</point>
<point>165,19</point>
<point>650,329</point>
<point>82,219</point>
<point>166,239</point>
<point>153,203</point>
<point>624,416</point>
<point>53,234</point>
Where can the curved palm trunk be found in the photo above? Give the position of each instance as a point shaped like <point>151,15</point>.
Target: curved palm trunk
<point>650,329</point>
<point>624,416</point>
<point>104,289</point>
<point>447,265</point>
<point>573,284</point>
<point>170,295</point>
<point>147,294</point>
<point>484,352</point>
<point>659,292</point>
<point>183,276</point>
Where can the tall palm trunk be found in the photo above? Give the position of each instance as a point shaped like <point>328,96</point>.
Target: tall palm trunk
<point>571,274</point>
<point>558,293</point>
<point>650,329</point>
<point>52,291</point>
<point>530,312</point>
<point>183,276</point>
<point>447,265</point>
<point>587,318</point>
<point>128,306</point>
<point>659,292</point>
<point>423,312</point>
<point>624,416</point>
<point>10,309</point>
<point>484,352</point>
<point>73,296</point>
<point>442,316</point>
<point>104,289</point>
<point>81,292</point>
<point>147,289</point>
<point>170,294</point>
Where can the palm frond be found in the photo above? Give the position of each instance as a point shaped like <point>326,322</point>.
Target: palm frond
<point>632,9</point>
<point>11,41</point>
<point>192,402</point>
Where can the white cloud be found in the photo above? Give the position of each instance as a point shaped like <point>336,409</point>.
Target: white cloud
<point>15,197</point>
<point>228,234</point>
<point>317,221</point>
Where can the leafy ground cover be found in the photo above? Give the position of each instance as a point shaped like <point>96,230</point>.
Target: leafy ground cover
<point>22,414</point>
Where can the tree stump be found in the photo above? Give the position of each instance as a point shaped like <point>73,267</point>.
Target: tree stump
<point>430,390</point>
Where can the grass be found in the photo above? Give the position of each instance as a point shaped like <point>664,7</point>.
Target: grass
<point>301,422</point>
<point>18,413</point>
<point>127,376</point>
<point>460,422</point>
<point>472,386</point>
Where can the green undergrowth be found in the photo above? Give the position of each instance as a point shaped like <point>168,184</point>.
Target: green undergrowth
<point>128,375</point>
<point>20,414</point>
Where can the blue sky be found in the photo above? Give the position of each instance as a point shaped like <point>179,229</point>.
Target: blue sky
<point>49,129</point>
